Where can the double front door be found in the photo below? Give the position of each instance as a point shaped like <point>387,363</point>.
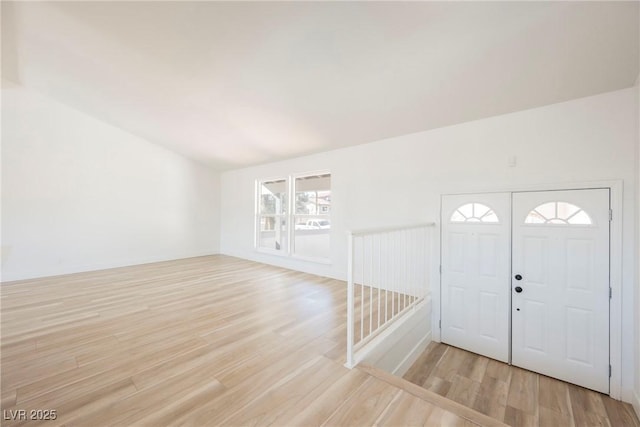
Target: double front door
<point>525,280</point>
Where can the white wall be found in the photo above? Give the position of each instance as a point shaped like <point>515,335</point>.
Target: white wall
<point>400,180</point>
<point>79,194</point>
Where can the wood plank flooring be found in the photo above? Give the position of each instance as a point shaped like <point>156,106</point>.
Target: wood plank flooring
<point>515,396</point>
<point>204,341</point>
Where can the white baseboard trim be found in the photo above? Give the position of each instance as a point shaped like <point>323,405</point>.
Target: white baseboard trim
<point>290,263</point>
<point>15,276</point>
<point>411,358</point>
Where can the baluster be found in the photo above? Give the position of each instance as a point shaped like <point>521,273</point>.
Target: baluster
<point>386,276</point>
<point>350,301</point>
<point>362,280</point>
<point>379,276</point>
<point>370,284</point>
<point>405,281</point>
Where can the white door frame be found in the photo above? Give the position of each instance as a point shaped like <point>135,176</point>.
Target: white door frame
<point>615,273</point>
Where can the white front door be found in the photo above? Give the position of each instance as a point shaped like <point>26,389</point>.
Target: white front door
<point>560,285</point>
<point>475,273</point>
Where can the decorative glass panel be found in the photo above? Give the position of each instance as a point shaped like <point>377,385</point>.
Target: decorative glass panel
<point>475,212</point>
<point>457,217</point>
<point>547,210</point>
<point>580,217</point>
<point>466,210</point>
<point>558,213</point>
<point>490,217</point>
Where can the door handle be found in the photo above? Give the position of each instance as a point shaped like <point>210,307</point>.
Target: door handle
<point>518,289</point>
<point>518,277</point>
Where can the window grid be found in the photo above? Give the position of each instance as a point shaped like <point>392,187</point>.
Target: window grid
<point>558,213</point>
<point>293,216</point>
<point>271,218</point>
<point>474,213</point>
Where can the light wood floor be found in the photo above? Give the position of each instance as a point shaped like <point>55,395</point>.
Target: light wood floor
<point>513,395</point>
<point>204,341</point>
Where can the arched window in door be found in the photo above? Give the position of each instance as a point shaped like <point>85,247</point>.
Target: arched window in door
<point>558,213</point>
<point>475,212</point>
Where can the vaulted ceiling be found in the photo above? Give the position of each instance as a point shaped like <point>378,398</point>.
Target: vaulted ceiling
<point>232,84</point>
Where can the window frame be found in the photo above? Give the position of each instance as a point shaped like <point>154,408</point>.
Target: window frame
<point>258,216</point>
<point>290,216</point>
<point>294,215</point>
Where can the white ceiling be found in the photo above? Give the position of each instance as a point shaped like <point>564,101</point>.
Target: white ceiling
<point>233,84</point>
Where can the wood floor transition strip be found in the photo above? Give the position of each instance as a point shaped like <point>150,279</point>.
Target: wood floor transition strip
<point>433,398</point>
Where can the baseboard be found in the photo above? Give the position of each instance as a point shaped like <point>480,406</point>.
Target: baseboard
<point>635,402</point>
<point>17,276</point>
<point>290,263</point>
<point>413,355</point>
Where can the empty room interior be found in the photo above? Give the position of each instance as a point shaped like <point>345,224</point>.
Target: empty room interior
<point>320,213</point>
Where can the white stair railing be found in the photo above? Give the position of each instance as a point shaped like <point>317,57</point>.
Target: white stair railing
<point>388,276</point>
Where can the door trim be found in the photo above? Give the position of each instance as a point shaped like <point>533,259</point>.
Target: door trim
<point>616,188</point>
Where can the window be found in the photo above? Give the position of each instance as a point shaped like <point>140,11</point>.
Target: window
<point>475,212</point>
<point>293,215</point>
<point>558,213</point>
<point>311,219</point>
<point>272,215</point>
